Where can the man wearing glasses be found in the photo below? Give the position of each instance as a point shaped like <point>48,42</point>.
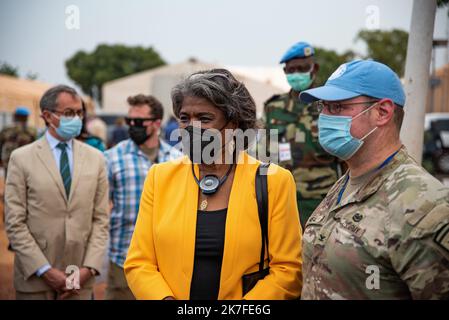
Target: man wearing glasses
<point>57,206</point>
<point>128,165</point>
<point>314,170</point>
<point>382,232</point>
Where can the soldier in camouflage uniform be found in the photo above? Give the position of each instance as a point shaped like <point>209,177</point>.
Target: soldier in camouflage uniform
<point>382,232</point>
<point>15,136</point>
<point>314,170</point>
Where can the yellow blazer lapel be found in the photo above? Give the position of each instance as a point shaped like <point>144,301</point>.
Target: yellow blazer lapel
<point>236,200</point>
<point>78,160</point>
<point>48,160</point>
<point>241,193</point>
<point>189,227</point>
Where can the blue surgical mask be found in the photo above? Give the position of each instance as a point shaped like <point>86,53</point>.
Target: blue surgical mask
<point>299,81</point>
<point>335,135</point>
<point>69,128</point>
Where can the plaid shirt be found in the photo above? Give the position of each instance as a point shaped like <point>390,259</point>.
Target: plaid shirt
<point>127,169</point>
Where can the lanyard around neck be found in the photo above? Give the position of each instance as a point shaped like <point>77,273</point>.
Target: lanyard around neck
<point>383,164</point>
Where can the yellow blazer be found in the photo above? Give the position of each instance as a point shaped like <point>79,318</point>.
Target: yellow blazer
<point>161,254</point>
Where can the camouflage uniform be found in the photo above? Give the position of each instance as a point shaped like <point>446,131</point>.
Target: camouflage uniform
<point>396,227</point>
<point>315,171</point>
<point>12,138</point>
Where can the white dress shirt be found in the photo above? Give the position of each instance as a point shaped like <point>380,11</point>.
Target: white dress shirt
<point>53,142</point>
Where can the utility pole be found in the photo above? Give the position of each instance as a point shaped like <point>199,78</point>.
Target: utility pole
<point>416,79</point>
<point>447,35</point>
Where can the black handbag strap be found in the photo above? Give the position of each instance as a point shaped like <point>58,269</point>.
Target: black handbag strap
<point>262,206</point>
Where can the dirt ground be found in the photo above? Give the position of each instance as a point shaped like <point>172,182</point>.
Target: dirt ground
<point>7,260</point>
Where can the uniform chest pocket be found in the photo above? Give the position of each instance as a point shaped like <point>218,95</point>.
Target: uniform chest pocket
<point>336,229</point>
<point>352,227</point>
<point>313,231</point>
<point>310,239</point>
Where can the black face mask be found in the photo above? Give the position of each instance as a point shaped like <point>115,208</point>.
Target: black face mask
<point>138,134</point>
<point>194,145</point>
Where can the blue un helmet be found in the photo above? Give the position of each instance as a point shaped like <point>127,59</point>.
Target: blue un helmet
<point>22,111</point>
<point>298,50</point>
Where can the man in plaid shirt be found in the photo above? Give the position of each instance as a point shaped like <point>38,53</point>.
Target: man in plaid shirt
<point>128,164</point>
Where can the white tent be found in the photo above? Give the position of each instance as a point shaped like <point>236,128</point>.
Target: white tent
<point>160,81</point>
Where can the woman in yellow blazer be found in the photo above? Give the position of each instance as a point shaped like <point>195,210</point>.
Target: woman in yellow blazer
<point>197,244</point>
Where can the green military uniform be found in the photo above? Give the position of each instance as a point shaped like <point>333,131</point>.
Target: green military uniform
<point>12,138</point>
<point>387,240</point>
<point>314,170</point>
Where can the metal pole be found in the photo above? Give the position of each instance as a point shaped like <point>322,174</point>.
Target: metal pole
<point>432,85</point>
<point>447,35</point>
<point>416,80</point>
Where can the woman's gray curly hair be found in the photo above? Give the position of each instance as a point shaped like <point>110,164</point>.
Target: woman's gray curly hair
<point>223,90</point>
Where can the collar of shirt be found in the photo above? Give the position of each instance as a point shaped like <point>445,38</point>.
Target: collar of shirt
<point>53,142</point>
<point>164,150</point>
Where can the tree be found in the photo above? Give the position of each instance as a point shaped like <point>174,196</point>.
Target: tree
<point>329,60</point>
<point>108,62</point>
<point>6,68</point>
<point>388,47</point>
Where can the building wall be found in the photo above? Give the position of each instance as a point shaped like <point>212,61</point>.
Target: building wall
<point>16,92</point>
<point>439,95</point>
<point>160,81</point>
<point>116,92</point>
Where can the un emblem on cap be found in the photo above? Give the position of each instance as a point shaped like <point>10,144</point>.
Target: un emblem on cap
<point>307,51</point>
<point>338,73</point>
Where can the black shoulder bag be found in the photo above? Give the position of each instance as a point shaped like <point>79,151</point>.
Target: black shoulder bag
<point>250,280</point>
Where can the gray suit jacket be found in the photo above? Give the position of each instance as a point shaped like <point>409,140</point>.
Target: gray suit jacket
<point>43,226</point>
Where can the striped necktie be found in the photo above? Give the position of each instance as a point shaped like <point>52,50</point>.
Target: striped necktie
<point>64,167</point>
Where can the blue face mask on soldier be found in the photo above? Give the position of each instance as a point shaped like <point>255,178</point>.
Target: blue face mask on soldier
<point>299,81</point>
<point>69,128</point>
<point>335,135</point>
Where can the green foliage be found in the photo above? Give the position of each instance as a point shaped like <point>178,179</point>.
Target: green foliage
<point>442,3</point>
<point>388,47</point>
<point>329,60</point>
<point>108,62</point>
<point>6,68</point>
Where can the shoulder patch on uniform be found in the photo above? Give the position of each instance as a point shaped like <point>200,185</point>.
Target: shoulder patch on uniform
<point>442,237</point>
<point>431,222</point>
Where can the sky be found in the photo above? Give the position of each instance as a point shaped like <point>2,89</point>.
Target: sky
<point>38,35</point>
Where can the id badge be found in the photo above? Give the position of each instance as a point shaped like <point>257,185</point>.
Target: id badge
<point>285,152</point>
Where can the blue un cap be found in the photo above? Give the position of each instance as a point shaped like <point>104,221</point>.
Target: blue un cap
<point>298,50</point>
<point>359,78</point>
<point>22,111</point>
